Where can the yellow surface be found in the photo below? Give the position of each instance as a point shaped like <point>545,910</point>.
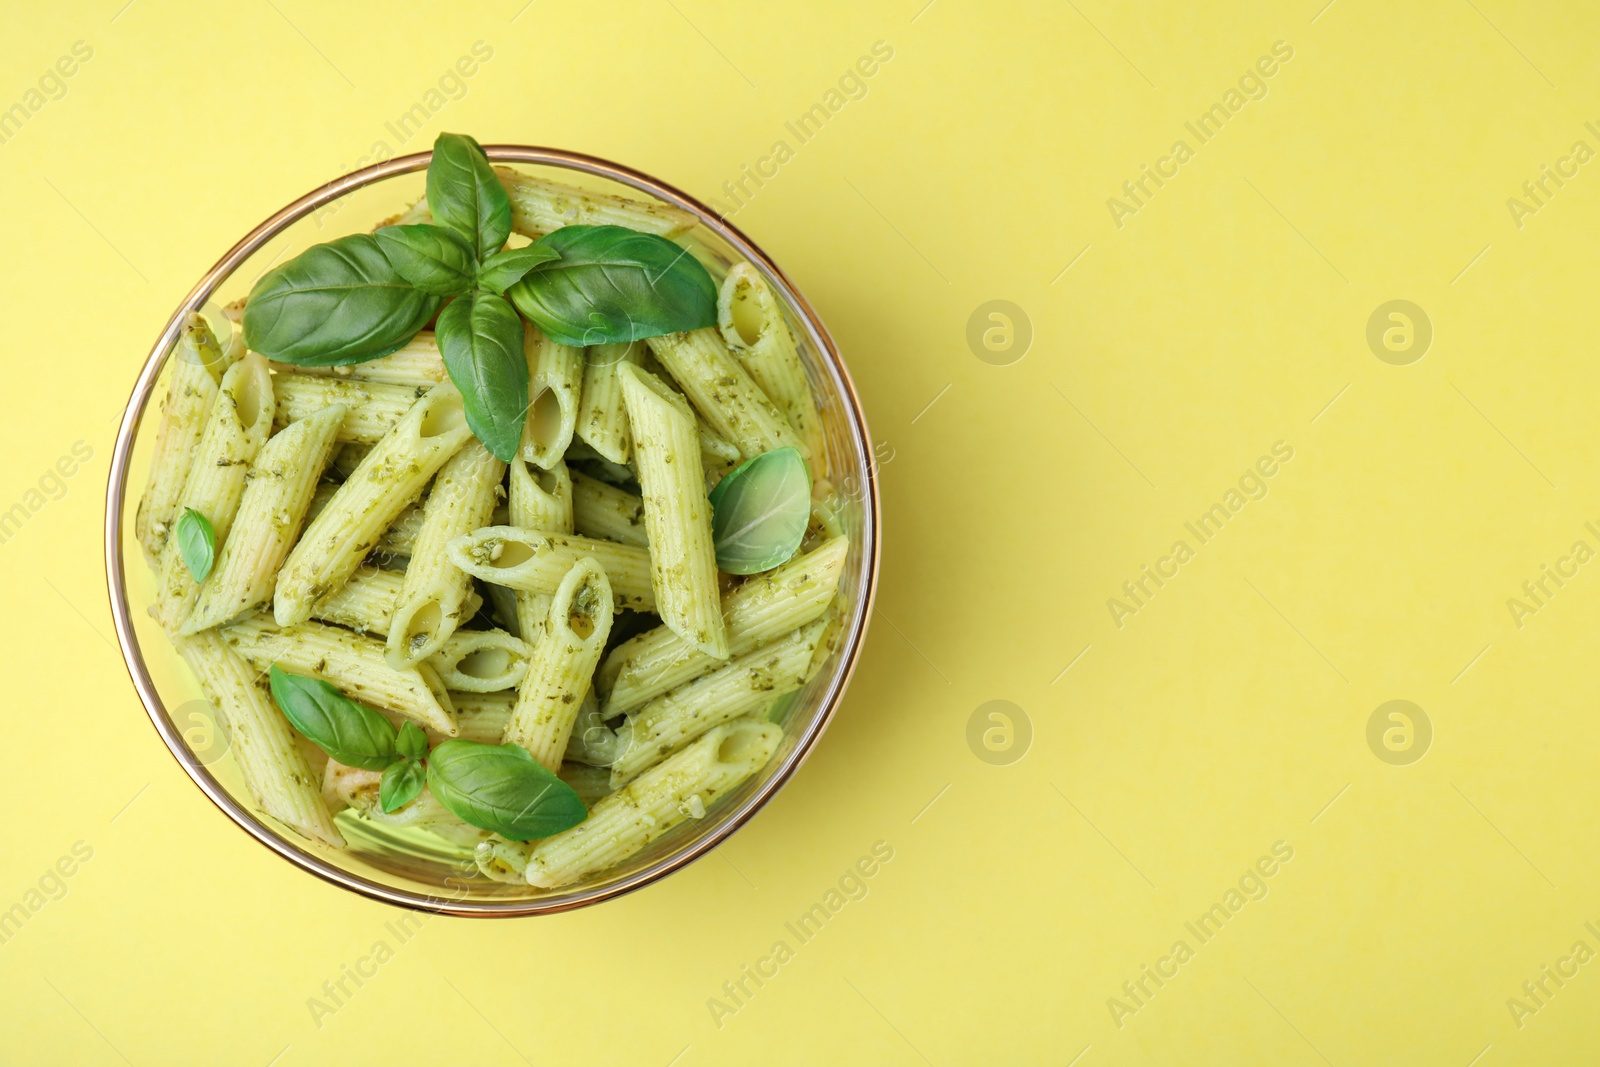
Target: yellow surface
<point>1228,713</point>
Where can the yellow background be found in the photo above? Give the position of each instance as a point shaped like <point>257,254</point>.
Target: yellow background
<point>1228,714</point>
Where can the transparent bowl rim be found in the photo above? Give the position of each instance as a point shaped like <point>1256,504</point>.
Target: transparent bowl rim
<point>133,656</point>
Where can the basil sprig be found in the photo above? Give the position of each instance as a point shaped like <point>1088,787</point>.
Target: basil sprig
<point>502,788</point>
<point>364,296</point>
<point>197,543</point>
<point>493,787</point>
<point>611,284</point>
<point>760,510</point>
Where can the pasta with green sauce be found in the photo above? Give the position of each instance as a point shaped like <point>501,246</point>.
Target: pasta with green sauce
<point>400,590</point>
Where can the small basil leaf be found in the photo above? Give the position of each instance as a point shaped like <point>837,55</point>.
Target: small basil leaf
<point>760,510</point>
<point>412,742</point>
<point>612,285</point>
<point>504,269</point>
<point>431,258</point>
<point>480,338</point>
<point>400,784</point>
<point>197,543</point>
<point>333,304</point>
<point>465,195</point>
<point>351,733</point>
<point>503,789</point>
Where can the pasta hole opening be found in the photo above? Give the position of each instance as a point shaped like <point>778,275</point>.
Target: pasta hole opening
<point>512,554</point>
<point>248,400</point>
<point>546,480</point>
<point>423,624</point>
<point>485,663</point>
<point>544,420</point>
<point>443,418</point>
<point>581,623</point>
<point>748,321</point>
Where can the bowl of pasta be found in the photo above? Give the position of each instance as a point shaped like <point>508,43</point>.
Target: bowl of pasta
<point>492,531</point>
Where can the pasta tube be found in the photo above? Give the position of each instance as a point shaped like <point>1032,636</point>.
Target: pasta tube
<point>481,661</point>
<point>600,509</point>
<point>353,662</point>
<point>555,380</point>
<point>683,786</point>
<point>752,322</point>
<point>365,602</point>
<point>277,491</point>
<point>374,406</point>
<point>195,366</point>
<point>432,598</point>
<point>418,365</point>
<point>761,608</point>
<point>391,477</point>
<point>724,393</point>
<point>746,685</point>
<point>237,426</point>
<point>540,499</point>
<point>539,206</point>
<point>483,716</point>
<point>536,561</point>
<point>677,516</point>
<point>562,665</point>
<point>262,742</point>
<point>602,420</point>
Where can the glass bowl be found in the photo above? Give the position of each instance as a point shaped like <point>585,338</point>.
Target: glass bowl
<point>409,867</point>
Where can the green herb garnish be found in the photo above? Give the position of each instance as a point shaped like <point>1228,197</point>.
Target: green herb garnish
<point>760,510</point>
<point>366,295</point>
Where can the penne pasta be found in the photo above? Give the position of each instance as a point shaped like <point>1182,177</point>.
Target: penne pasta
<point>277,491</point>
<point>261,741</point>
<point>366,602</point>
<point>723,392</point>
<point>482,717</point>
<point>536,561</point>
<point>683,786</point>
<point>752,323</point>
<point>562,664</point>
<point>194,368</point>
<point>374,407</point>
<point>759,609</point>
<point>481,661</point>
<point>683,561</point>
<point>555,382</point>
<point>540,499</point>
<point>602,420</point>
<point>417,364</point>
<point>745,685</point>
<point>539,206</point>
<point>353,662</point>
<point>236,428</point>
<point>389,478</point>
<point>605,511</point>
<point>432,599</point>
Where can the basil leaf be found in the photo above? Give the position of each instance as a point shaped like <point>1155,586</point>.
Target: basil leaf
<point>465,195</point>
<point>480,338</point>
<point>351,733</point>
<point>333,304</point>
<point>504,269</point>
<point>197,543</point>
<point>431,258</point>
<point>612,285</point>
<point>503,789</point>
<point>412,742</point>
<point>760,510</point>
<point>401,783</point>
